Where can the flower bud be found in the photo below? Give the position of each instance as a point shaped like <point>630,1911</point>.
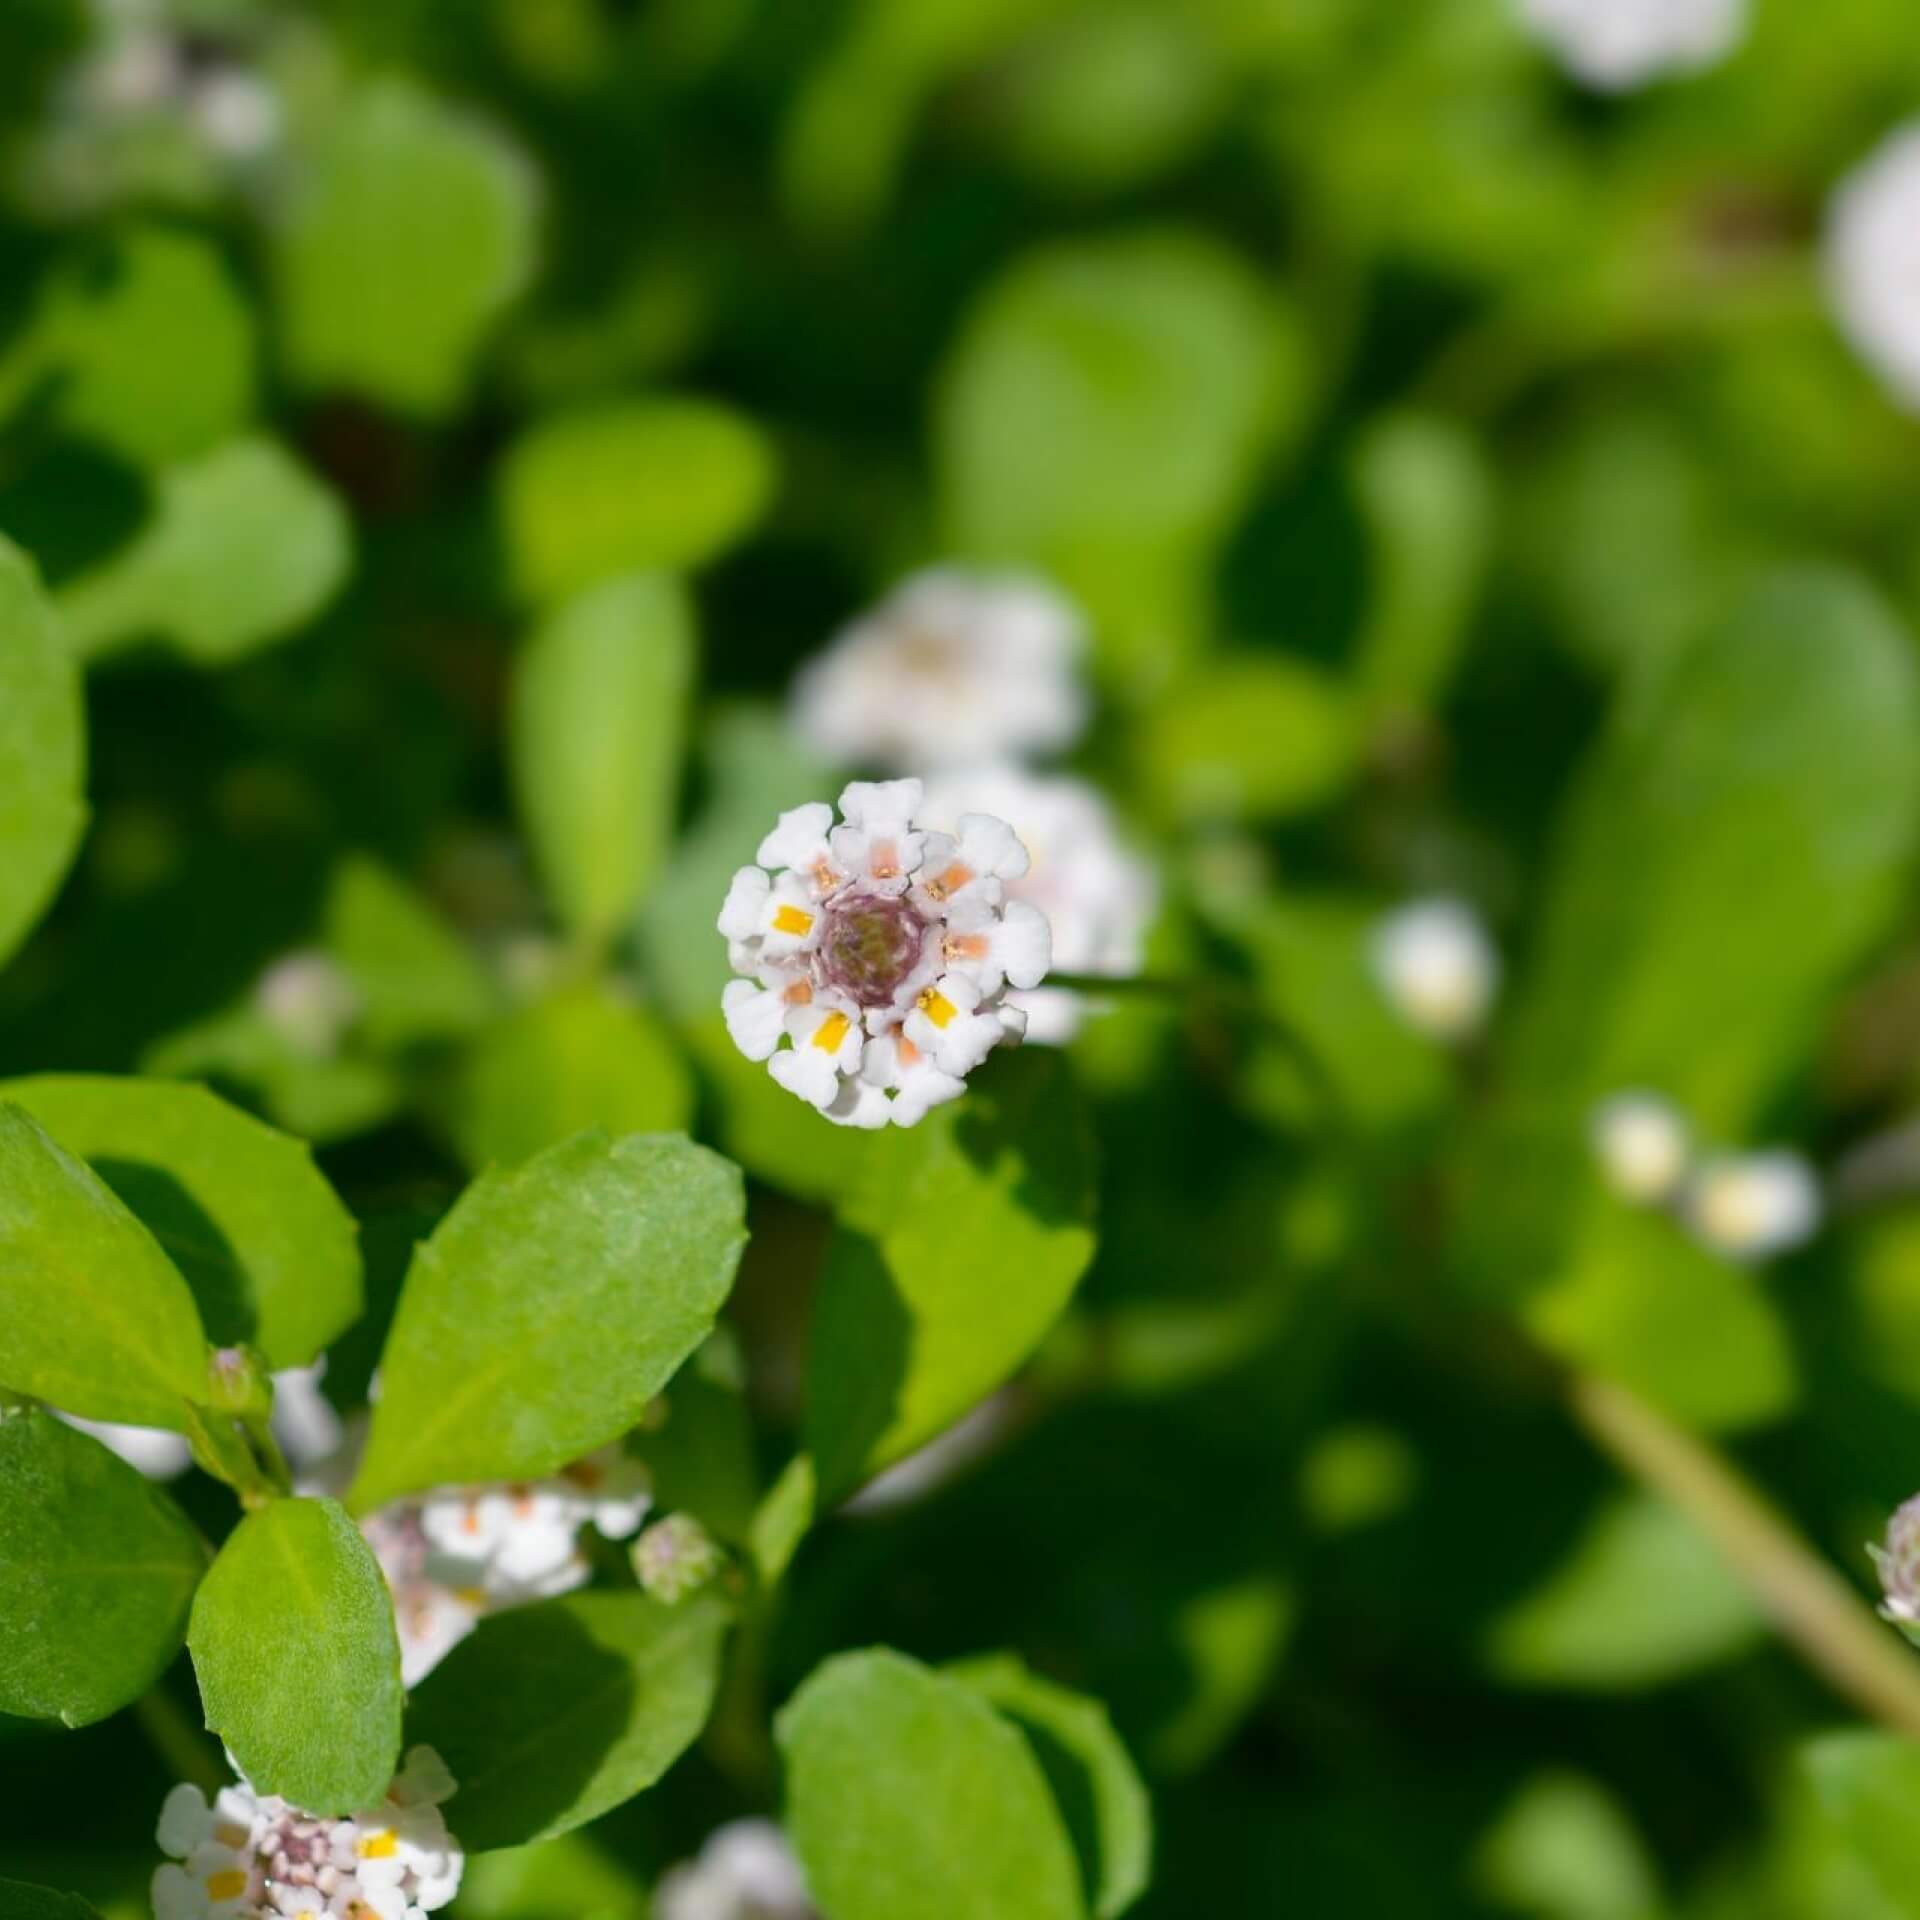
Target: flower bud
<point>676,1558</point>
<point>1898,1565</point>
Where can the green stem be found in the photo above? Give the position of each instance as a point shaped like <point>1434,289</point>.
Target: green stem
<point>1811,1605</point>
<point>189,1754</point>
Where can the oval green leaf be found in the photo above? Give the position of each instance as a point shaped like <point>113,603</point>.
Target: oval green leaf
<point>97,1571</point>
<point>551,1714</point>
<point>270,1253</point>
<point>413,232</point>
<point>245,545</point>
<point>915,1319</point>
<point>43,750</point>
<point>577,1059</point>
<point>1094,1781</point>
<point>298,1658</point>
<point>649,483</point>
<point>548,1308</point>
<point>596,734</point>
<point>908,1794</point>
<point>93,1315</point>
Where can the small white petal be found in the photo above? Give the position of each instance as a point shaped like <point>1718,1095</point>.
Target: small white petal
<point>756,1017</point>
<point>881,806</point>
<point>744,909</point>
<point>1613,45</point>
<point>800,837</point>
<point>186,1821</point>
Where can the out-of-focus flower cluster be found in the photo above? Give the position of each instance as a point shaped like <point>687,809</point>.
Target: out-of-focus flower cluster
<point>970,679</point>
<point>1749,1206</point>
<point>462,1553</point>
<point>746,1871</point>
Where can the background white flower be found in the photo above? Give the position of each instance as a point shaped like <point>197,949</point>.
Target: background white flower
<point>951,669</point>
<point>1437,965</point>
<point>1873,261</point>
<point>455,1555</point>
<point>307,999</point>
<point>1098,895</point>
<point>1753,1205</point>
<point>1643,1145</point>
<point>1613,45</point>
<point>877,955</point>
<point>251,1856</point>
<point>746,1871</point>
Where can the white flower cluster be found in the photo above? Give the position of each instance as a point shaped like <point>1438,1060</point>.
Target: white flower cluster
<point>250,1856</point>
<point>952,669</point>
<point>746,1871</point>
<point>149,81</point>
<point>457,1555</point>
<point>1614,45</point>
<point>1748,1206</point>
<point>877,954</point>
<point>1873,262</point>
<point>1437,966</point>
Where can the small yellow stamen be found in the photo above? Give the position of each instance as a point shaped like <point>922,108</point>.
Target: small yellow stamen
<point>832,1030</point>
<point>228,1884</point>
<point>792,920</point>
<point>378,1846</point>
<point>231,1835</point>
<point>937,1007</point>
<point>800,994</point>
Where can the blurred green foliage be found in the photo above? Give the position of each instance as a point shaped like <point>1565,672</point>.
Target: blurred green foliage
<point>412,529</point>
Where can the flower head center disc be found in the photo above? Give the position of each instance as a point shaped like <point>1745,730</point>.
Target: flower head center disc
<point>871,946</point>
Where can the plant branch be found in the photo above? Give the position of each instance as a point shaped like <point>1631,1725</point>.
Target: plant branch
<point>188,1753</point>
<point>1807,1600</point>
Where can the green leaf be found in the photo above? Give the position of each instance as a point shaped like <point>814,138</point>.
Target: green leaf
<point>698,1445</point>
<point>549,1715</point>
<point>908,1794</point>
<point>579,1058</point>
<point>666,483</point>
<point>1104,417</point>
<point>298,1658</point>
<point>1643,1599</point>
<point>1865,1786</point>
<point>149,350</point>
<point>1310,954</point>
<point>1756,795</point>
<point>101,1567</point>
<point>93,1316</point>
<point>244,547</point>
<point>1644,1301</point>
<point>43,751</point>
<point>19,1901</point>
<point>572,1878</point>
<point>415,977</point>
<point>1566,1850</point>
<point>782,1519</point>
<point>548,1308</point>
<point>915,1319</point>
<point>1761,797</point>
<point>412,235</point>
<point>1091,1774</point>
<point>1249,737</point>
<point>597,729</point>
<point>270,1253</point>
<point>1426,492</point>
